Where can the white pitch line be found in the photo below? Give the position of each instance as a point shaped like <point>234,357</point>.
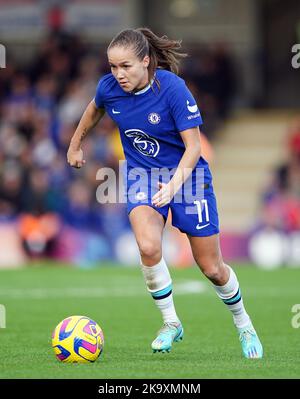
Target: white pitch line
<point>184,288</point>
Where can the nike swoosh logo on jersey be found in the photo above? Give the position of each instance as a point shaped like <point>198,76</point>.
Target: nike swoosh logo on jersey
<point>198,227</point>
<point>115,112</point>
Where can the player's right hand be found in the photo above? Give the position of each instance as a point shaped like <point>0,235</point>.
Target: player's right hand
<point>75,158</point>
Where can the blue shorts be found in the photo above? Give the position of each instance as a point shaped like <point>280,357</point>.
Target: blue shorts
<point>193,209</point>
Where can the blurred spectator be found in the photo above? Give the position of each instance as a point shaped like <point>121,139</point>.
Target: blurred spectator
<point>281,201</point>
<point>38,234</point>
<point>294,138</point>
<point>210,76</point>
<point>225,75</point>
<point>10,190</point>
<point>79,211</point>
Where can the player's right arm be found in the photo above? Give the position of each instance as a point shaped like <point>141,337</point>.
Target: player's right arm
<point>89,119</point>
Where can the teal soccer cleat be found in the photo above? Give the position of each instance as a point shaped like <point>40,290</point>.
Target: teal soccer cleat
<point>169,333</point>
<point>251,345</point>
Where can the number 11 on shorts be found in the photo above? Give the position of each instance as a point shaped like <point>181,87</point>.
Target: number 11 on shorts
<point>199,210</point>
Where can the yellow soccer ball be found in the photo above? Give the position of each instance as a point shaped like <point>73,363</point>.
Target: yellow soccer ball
<point>77,339</point>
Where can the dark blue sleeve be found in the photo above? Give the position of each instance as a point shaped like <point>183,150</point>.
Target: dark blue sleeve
<point>183,106</point>
<point>99,97</point>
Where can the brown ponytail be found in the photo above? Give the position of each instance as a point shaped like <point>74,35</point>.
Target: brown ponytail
<point>162,51</point>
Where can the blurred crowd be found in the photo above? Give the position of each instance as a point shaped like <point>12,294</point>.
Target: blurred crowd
<point>50,203</point>
<point>281,200</point>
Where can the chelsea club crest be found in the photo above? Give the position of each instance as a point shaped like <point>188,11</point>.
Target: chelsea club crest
<point>154,118</point>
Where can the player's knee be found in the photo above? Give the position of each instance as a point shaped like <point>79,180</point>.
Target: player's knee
<point>213,274</point>
<point>213,270</point>
<point>150,249</point>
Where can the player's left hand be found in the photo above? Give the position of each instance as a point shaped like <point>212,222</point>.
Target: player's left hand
<point>163,196</point>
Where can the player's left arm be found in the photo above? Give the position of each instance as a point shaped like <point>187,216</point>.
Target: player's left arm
<point>189,159</point>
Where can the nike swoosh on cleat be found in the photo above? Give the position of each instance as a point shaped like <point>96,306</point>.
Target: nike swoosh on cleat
<point>202,227</point>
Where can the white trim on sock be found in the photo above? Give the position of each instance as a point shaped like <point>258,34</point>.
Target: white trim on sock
<point>228,290</point>
<point>157,277</point>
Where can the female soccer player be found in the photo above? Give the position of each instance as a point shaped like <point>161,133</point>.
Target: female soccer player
<point>159,120</point>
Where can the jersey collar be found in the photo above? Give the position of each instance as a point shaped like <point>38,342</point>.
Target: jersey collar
<point>142,91</point>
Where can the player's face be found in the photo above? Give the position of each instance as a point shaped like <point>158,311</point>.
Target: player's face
<point>130,72</point>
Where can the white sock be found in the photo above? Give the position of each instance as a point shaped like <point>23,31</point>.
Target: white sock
<point>159,284</point>
<point>231,296</point>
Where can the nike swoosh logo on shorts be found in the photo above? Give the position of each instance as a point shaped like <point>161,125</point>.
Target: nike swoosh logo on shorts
<point>202,227</point>
<point>115,112</point>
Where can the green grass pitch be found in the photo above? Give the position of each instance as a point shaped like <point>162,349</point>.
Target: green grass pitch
<point>38,298</point>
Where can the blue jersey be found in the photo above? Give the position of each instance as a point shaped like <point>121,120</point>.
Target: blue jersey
<point>150,120</point>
